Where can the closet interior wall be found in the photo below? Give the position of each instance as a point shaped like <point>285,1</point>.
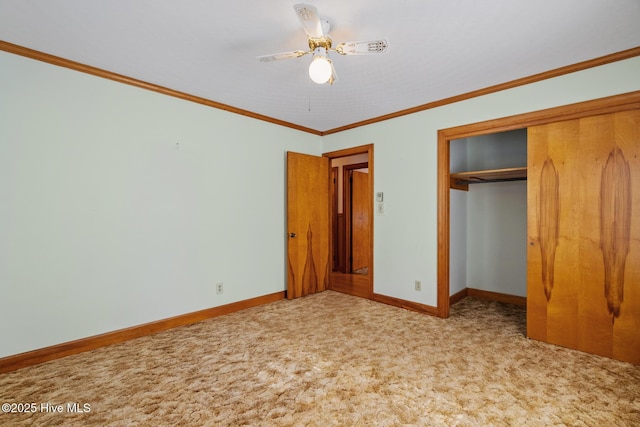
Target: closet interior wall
<point>488,233</point>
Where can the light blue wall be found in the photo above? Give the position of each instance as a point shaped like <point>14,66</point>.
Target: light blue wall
<point>497,237</point>
<point>458,152</point>
<point>120,206</point>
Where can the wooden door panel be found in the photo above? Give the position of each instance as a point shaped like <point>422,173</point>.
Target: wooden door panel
<point>337,227</point>
<point>308,219</point>
<point>596,140</point>
<point>626,329</point>
<point>536,297</point>
<point>360,200</point>
<point>583,278</point>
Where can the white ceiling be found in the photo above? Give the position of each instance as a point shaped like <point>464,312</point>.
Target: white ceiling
<point>437,48</point>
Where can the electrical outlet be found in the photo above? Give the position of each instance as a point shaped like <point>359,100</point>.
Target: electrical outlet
<point>418,285</point>
<point>219,288</point>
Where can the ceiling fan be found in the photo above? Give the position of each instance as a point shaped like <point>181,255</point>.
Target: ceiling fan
<point>321,69</point>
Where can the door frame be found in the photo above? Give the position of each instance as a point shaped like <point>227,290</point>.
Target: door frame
<point>611,104</point>
<point>363,149</point>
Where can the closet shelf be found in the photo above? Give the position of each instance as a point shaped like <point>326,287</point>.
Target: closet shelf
<point>462,180</point>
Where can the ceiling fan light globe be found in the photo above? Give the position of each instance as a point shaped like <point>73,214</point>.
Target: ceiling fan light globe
<point>320,70</point>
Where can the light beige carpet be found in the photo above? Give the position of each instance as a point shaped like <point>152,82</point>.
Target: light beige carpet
<point>332,359</point>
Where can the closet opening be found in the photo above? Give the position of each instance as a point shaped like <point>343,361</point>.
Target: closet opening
<point>488,217</point>
<point>482,212</point>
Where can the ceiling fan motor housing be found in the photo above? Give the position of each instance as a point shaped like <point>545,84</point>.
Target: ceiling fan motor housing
<point>316,42</point>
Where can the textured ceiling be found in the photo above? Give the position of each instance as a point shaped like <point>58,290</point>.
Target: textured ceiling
<point>437,48</point>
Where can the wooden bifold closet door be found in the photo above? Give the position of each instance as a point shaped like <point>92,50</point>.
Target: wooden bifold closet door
<point>583,195</point>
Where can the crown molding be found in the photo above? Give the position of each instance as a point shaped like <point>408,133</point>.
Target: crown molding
<point>66,63</point>
<point>614,57</point>
<point>88,69</point>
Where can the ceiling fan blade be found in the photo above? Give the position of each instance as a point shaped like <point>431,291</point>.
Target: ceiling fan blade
<point>334,76</point>
<point>368,47</point>
<point>308,16</point>
<point>283,55</point>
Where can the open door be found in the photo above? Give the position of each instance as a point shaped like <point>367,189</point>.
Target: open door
<point>360,242</point>
<point>307,224</point>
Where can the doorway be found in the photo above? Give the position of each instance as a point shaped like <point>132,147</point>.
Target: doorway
<point>349,215</point>
<point>488,239</point>
<point>352,221</point>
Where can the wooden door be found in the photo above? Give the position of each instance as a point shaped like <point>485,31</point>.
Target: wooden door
<point>307,224</point>
<point>360,241</point>
<point>338,256</point>
<point>583,275</point>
